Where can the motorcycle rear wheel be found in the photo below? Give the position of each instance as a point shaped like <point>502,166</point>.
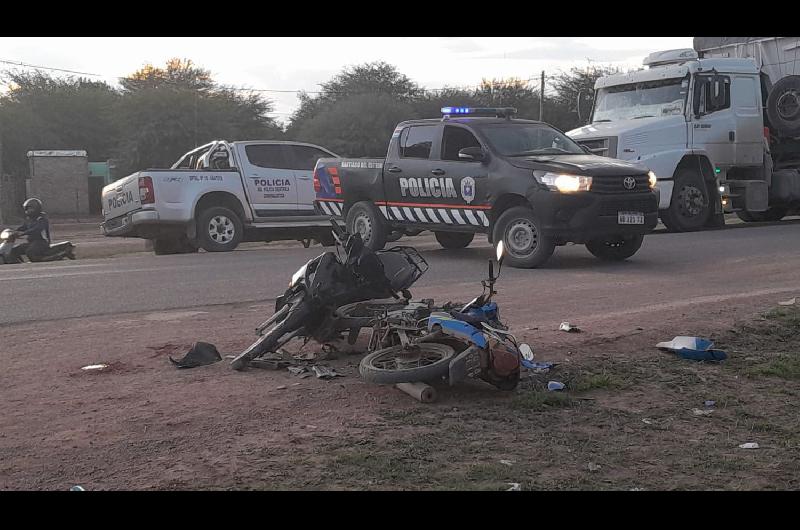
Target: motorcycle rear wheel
<point>424,361</point>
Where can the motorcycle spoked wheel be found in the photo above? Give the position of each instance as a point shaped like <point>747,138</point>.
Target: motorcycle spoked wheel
<point>424,361</point>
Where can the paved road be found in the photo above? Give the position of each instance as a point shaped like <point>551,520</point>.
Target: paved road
<point>735,263</point>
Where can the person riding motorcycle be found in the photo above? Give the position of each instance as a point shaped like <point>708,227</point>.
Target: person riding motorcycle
<point>36,228</point>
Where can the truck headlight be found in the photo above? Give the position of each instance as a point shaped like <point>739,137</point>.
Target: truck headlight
<point>565,183</point>
<point>652,178</point>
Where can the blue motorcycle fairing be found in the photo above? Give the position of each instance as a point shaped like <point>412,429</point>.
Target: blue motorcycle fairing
<point>457,328</point>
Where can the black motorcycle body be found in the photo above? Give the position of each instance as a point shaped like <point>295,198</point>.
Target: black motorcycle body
<point>353,273</point>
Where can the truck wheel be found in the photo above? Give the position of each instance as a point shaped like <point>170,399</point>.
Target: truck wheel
<point>776,213</point>
<point>219,229</point>
<point>521,233</point>
<point>453,240</point>
<point>689,207</point>
<point>365,219</point>
<point>783,106</point>
<point>615,248</point>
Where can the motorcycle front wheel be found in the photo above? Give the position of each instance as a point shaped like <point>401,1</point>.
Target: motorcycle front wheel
<point>424,361</point>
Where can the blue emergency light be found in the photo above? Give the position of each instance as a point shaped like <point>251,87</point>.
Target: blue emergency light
<point>500,112</point>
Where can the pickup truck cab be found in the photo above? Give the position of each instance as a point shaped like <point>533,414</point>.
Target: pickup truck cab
<point>220,194</point>
<point>521,181</point>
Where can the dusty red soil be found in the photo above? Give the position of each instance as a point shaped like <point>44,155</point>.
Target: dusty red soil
<point>143,424</point>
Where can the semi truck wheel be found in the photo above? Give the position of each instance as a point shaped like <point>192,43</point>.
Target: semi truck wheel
<point>689,207</point>
<point>783,106</point>
<point>452,240</point>
<point>616,248</point>
<point>776,213</point>
<point>219,229</point>
<point>521,233</point>
<point>365,219</point>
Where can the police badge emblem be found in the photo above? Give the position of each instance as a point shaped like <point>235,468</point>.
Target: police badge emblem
<point>468,189</point>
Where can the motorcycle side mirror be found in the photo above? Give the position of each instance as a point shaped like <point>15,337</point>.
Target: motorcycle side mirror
<point>526,351</point>
<point>499,252</point>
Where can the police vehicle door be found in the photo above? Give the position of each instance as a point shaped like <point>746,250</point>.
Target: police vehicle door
<point>303,159</point>
<point>469,178</point>
<point>270,180</point>
<point>410,182</point>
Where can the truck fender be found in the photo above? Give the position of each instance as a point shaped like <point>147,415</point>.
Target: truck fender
<point>231,196</point>
<point>664,164</point>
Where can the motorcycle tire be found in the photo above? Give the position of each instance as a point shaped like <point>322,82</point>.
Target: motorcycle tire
<point>396,364</point>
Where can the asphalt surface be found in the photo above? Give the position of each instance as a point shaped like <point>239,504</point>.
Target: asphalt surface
<point>734,264</point>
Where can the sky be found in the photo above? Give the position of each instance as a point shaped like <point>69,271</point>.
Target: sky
<point>302,63</point>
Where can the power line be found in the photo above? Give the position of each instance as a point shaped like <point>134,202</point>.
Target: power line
<point>17,63</point>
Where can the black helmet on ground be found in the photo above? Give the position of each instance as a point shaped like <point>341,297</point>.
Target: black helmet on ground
<point>32,207</point>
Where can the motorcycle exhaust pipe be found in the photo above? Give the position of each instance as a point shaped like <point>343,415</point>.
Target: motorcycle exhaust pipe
<point>273,318</point>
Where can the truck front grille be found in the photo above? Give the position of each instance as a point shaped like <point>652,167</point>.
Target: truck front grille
<point>616,184</point>
<point>601,146</point>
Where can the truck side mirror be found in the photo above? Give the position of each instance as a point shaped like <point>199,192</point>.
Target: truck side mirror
<point>472,153</point>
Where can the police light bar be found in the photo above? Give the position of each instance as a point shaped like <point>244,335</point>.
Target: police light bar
<point>500,112</point>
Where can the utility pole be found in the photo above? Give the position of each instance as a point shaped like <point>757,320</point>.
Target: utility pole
<point>541,99</point>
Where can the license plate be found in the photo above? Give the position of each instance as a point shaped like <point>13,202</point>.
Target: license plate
<point>630,218</point>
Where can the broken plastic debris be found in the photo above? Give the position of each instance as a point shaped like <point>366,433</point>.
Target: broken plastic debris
<point>323,372</point>
<point>555,385</point>
<point>702,412</point>
<point>709,403</point>
<point>95,367</point>
<point>693,348</point>
<point>566,326</point>
<point>536,366</point>
<point>749,445</point>
<point>307,356</point>
<point>507,462</point>
<point>77,488</point>
<point>282,387</point>
<point>515,486</point>
<point>791,301</point>
<point>296,370</point>
<point>648,421</point>
<point>593,467</point>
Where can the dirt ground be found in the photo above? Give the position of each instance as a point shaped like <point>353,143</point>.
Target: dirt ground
<point>632,417</point>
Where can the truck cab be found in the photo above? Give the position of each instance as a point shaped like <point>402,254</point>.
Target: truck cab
<point>698,124</point>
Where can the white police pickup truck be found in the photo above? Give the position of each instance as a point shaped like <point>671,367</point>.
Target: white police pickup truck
<point>218,195</point>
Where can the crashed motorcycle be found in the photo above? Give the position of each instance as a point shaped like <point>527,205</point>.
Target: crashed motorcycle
<point>8,241</point>
<point>460,343</point>
<point>338,291</point>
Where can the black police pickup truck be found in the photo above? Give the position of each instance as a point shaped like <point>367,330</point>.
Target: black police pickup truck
<point>480,171</point>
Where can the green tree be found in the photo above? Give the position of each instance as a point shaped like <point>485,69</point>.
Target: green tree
<point>169,111</point>
<point>43,112</point>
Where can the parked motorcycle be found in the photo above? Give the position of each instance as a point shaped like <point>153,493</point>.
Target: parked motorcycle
<point>467,342</point>
<point>8,241</point>
<point>327,295</point>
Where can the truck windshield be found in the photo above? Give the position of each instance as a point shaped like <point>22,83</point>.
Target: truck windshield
<point>649,99</point>
<point>526,139</point>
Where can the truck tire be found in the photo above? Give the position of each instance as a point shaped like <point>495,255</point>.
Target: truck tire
<point>219,229</point>
<point>453,240</point>
<point>776,213</point>
<point>616,248</point>
<point>689,207</point>
<point>521,233</point>
<point>783,106</point>
<point>365,219</point>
